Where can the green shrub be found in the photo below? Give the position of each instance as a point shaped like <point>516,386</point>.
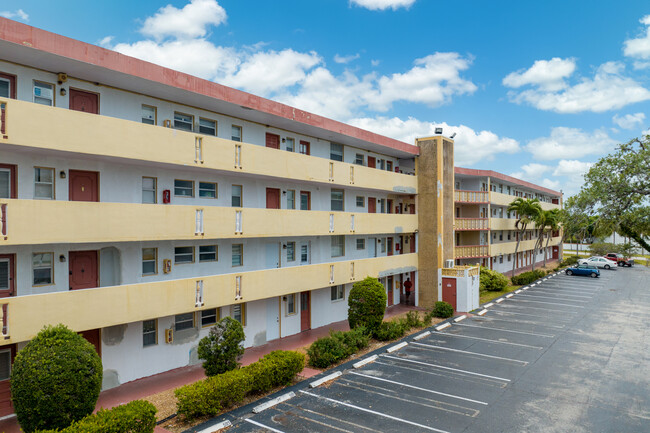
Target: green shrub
<point>391,330</point>
<point>366,304</point>
<point>222,347</point>
<point>602,248</point>
<point>210,396</point>
<point>569,261</point>
<point>138,416</point>
<point>55,380</point>
<point>354,339</point>
<point>337,346</point>
<point>527,277</point>
<point>413,320</point>
<point>442,309</point>
<point>492,281</point>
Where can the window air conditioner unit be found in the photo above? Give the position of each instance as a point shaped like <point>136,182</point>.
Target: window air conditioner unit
<point>449,264</point>
<point>169,336</point>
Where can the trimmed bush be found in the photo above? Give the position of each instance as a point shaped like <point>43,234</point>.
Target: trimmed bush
<point>367,304</point>
<point>492,281</point>
<point>569,261</point>
<point>222,347</point>
<point>391,330</point>
<point>527,277</point>
<point>413,320</point>
<point>55,380</point>
<point>210,396</point>
<point>442,309</point>
<point>138,416</point>
<point>337,346</point>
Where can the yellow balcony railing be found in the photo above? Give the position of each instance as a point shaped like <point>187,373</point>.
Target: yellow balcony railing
<point>502,224</point>
<point>471,224</point>
<point>471,251</point>
<point>88,134</point>
<point>470,196</point>
<point>501,199</point>
<point>459,271</point>
<point>25,222</point>
<point>107,306</point>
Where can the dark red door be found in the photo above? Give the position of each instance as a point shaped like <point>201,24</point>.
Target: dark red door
<point>304,147</point>
<point>390,206</point>
<point>389,246</point>
<point>449,291</point>
<point>556,252</point>
<point>305,311</point>
<point>389,282</point>
<point>84,101</point>
<point>7,355</point>
<point>272,141</point>
<point>412,208</point>
<point>372,205</point>
<point>8,173</point>
<point>272,198</point>
<point>83,185</point>
<point>94,337</point>
<point>84,270</point>
<point>371,162</point>
<point>412,242</point>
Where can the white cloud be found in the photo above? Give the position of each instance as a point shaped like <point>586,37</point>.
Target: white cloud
<point>345,59</point>
<point>18,14</point>
<point>549,75</point>
<point>265,72</point>
<point>189,22</point>
<point>552,184</point>
<point>375,5</point>
<point>609,89</point>
<point>532,171</point>
<point>375,62</point>
<point>470,146</point>
<point>572,168</point>
<point>639,48</point>
<point>570,143</point>
<point>629,121</point>
<point>106,41</point>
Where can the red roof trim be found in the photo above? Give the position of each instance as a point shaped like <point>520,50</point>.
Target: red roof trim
<point>505,177</point>
<point>22,34</point>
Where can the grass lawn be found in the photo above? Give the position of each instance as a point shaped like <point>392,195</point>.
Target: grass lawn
<point>486,296</point>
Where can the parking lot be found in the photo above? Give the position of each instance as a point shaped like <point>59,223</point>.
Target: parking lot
<point>565,354</point>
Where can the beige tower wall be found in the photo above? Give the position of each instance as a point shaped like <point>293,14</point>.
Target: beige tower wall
<point>435,173</point>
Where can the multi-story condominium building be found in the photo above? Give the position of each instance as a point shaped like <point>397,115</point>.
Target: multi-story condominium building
<point>484,229</point>
<point>139,205</point>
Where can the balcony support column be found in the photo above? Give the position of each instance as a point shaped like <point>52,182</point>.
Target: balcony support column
<point>435,168</point>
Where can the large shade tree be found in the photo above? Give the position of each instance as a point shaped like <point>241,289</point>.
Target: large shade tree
<point>526,211</point>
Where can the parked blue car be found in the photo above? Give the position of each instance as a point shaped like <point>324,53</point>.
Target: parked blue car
<point>584,269</point>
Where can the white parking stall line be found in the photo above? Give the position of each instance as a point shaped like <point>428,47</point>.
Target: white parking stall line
<point>362,409</point>
<point>549,303</point>
<point>561,289</point>
<point>508,343</point>
<point>471,373</point>
<point>529,322</point>
<point>500,312</point>
<point>259,424</point>
<point>507,330</point>
<point>418,388</point>
<point>528,295</point>
<point>449,349</point>
<point>548,310</point>
<point>556,293</point>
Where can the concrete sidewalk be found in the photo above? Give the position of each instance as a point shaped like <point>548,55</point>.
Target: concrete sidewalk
<point>150,385</point>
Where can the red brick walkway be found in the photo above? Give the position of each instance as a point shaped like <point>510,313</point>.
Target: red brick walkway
<point>146,386</point>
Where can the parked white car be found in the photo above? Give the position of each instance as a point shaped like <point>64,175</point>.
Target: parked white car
<point>599,262</point>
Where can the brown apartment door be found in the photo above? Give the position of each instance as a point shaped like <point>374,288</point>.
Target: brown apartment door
<point>7,86</point>
<point>304,147</point>
<point>371,162</point>
<point>83,185</point>
<point>389,283</point>
<point>272,141</point>
<point>272,198</point>
<point>449,291</point>
<point>83,269</point>
<point>305,311</point>
<point>372,205</point>
<point>390,246</point>
<point>93,336</point>
<point>7,355</point>
<point>84,101</point>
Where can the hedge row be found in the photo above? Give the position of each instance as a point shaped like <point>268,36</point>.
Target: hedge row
<point>210,396</point>
<point>138,416</point>
<point>337,346</point>
<point>527,277</point>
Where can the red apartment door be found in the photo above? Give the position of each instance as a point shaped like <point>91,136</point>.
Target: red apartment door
<point>389,292</point>
<point>449,291</point>
<point>272,198</point>
<point>83,185</point>
<point>304,147</point>
<point>8,185</point>
<point>272,141</point>
<point>83,269</point>
<point>372,205</point>
<point>93,336</point>
<point>371,162</point>
<point>389,246</point>
<point>84,101</point>
<point>305,311</point>
<point>390,206</point>
<point>7,355</point>
<point>412,242</point>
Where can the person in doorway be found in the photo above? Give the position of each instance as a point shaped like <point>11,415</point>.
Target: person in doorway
<point>407,288</point>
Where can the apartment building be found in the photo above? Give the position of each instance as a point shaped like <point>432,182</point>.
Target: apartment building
<point>485,231</point>
<point>139,205</point>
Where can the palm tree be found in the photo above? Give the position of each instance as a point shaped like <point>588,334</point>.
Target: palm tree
<point>545,222</point>
<point>526,210</point>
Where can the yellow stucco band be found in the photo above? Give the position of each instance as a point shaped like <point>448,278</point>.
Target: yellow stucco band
<point>501,199</point>
<point>509,247</point>
<point>43,222</point>
<point>111,137</point>
<point>107,306</point>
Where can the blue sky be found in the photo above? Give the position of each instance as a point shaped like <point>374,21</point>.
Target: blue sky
<point>535,89</point>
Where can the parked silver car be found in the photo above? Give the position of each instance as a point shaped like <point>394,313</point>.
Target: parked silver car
<point>599,262</point>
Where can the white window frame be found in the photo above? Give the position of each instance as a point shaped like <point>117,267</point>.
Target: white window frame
<point>239,254</point>
<point>291,247</point>
<point>336,201</point>
<point>291,305</point>
<point>183,121</point>
<point>43,85</point>
<point>363,201</point>
<point>338,242</point>
<point>207,126</point>
<point>240,196</point>
<point>39,267</point>
<point>362,243</point>
<point>183,188</point>
<point>154,332</point>
<point>202,188</point>
<point>241,309</point>
<point>183,319</point>
<point>154,260</point>
<point>52,184</point>
<point>290,144</point>
<point>149,190</point>
<point>337,293</point>
<point>204,316</point>
<point>240,132</point>
<point>147,112</point>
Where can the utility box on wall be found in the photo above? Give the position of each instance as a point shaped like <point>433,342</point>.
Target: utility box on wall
<point>460,287</point>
